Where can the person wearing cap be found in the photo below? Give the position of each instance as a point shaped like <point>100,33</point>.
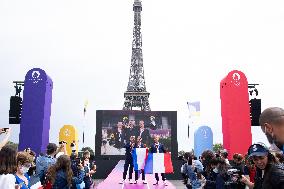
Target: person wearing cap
<point>269,174</point>
<point>271,121</point>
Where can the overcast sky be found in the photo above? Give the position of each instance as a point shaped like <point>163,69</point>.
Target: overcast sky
<point>188,48</point>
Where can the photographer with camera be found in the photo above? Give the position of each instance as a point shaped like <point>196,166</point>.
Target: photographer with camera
<point>6,131</point>
<point>269,174</point>
<point>222,175</point>
<point>238,165</point>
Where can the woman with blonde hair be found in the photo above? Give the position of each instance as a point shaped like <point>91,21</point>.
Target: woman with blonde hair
<point>24,161</point>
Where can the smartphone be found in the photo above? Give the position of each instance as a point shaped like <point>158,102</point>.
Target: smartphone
<point>62,142</point>
<point>5,129</point>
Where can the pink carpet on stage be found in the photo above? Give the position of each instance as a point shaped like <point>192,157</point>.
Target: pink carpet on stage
<point>113,179</point>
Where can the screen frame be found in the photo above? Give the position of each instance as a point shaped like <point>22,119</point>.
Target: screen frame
<point>98,137</point>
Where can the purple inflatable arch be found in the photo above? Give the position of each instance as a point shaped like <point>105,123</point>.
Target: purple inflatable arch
<point>35,121</point>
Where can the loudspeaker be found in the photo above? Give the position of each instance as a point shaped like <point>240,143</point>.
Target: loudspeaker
<point>15,110</point>
<point>255,111</point>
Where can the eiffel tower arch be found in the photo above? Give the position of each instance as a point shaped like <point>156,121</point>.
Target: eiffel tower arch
<point>136,94</point>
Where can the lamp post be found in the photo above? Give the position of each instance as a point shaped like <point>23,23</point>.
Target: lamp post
<point>84,122</point>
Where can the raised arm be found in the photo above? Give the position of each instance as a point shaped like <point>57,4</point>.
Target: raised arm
<point>5,140</point>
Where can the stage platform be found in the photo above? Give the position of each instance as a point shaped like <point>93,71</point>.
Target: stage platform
<point>113,179</point>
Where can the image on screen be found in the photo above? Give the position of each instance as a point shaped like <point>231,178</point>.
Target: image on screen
<point>117,126</point>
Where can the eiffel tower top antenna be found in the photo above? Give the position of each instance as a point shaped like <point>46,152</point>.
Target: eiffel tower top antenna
<point>136,94</point>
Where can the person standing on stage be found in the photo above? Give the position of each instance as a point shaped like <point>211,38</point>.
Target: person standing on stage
<point>139,144</point>
<point>144,133</point>
<point>128,160</point>
<point>158,148</point>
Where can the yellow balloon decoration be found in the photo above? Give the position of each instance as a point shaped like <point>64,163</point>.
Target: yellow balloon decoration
<point>69,134</point>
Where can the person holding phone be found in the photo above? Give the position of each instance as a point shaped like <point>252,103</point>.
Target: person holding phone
<point>6,131</point>
<point>61,150</point>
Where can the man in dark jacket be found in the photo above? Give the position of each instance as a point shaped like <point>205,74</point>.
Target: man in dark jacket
<point>128,160</point>
<point>269,174</point>
<point>158,148</point>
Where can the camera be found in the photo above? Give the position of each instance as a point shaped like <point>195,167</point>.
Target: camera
<point>234,177</point>
<point>62,142</point>
<point>72,144</point>
<point>5,129</point>
<point>78,161</point>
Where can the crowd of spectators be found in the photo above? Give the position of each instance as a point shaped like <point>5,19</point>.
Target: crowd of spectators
<point>51,170</point>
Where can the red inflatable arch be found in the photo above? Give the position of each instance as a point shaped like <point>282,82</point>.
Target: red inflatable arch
<point>235,111</point>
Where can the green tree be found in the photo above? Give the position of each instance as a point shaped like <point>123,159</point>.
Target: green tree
<point>217,147</point>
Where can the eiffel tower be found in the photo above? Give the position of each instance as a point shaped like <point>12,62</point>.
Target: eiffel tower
<point>136,94</point>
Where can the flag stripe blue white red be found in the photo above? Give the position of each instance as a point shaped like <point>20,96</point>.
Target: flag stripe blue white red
<point>158,163</point>
<point>149,164</point>
<point>139,157</point>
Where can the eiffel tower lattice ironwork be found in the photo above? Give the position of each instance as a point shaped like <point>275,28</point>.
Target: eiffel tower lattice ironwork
<point>136,94</point>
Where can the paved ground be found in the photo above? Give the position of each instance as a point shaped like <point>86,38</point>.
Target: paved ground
<point>177,183</point>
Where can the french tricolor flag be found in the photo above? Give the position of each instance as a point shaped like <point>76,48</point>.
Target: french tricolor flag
<point>139,157</point>
<point>158,163</point>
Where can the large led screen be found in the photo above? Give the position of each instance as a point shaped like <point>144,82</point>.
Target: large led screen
<point>114,128</point>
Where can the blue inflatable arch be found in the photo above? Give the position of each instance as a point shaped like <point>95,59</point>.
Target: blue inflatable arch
<point>203,140</point>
